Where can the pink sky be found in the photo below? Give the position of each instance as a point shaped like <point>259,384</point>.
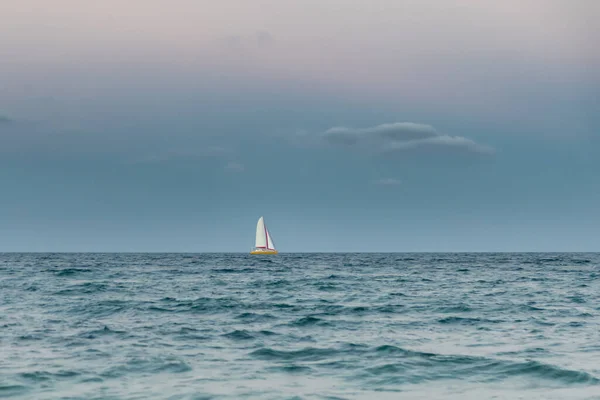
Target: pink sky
<point>421,50</point>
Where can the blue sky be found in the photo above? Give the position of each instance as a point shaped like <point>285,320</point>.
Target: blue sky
<point>348,125</point>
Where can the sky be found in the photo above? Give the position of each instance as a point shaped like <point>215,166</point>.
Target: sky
<point>362,126</point>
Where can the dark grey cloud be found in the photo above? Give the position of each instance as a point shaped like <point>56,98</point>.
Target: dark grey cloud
<point>4,120</point>
<point>400,136</point>
<point>264,39</point>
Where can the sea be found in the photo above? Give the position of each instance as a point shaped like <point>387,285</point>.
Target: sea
<point>300,326</point>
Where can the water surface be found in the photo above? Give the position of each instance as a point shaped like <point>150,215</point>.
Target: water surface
<point>300,326</point>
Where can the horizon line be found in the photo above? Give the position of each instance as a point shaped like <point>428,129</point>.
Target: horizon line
<point>306,252</point>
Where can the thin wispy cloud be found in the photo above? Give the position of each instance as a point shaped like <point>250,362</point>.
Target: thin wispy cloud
<point>183,154</point>
<point>258,40</point>
<point>398,131</point>
<point>234,167</point>
<point>387,182</point>
<point>400,136</point>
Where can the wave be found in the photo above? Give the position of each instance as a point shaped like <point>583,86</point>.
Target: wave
<point>409,366</point>
<point>83,288</point>
<point>201,305</point>
<point>328,287</point>
<point>416,366</point>
<point>308,321</point>
<point>291,369</point>
<point>106,331</point>
<point>254,317</point>
<point>147,365</point>
<point>541,370</point>
<point>225,270</point>
<point>239,335</point>
<point>468,321</point>
<point>306,354</point>
<point>71,271</point>
<point>38,376</point>
<point>458,308</point>
<point>8,390</point>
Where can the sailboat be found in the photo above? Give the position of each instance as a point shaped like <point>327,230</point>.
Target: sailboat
<point>264,244</point>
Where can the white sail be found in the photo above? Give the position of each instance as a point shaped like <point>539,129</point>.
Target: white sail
<point>261,234</point>
<point>270,244</point>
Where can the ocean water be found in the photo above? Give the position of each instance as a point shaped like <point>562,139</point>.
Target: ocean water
<point>300,326</point>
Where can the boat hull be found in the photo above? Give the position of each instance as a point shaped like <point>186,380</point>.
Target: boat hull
<point>266,252</point>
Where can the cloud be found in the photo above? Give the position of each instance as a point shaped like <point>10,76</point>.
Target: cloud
<point>180,154</point>
<point>400,136</point>
<point>258,40</point>
<point>264,39</point>
<point>387,182</point>
<point>399,131</point>
<point>234,167</point>
<point>441,141</point>
<point>231,41</point>
<point>5,120</point>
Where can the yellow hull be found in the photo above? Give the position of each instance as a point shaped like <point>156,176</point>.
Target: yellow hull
<point>264,252</point>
